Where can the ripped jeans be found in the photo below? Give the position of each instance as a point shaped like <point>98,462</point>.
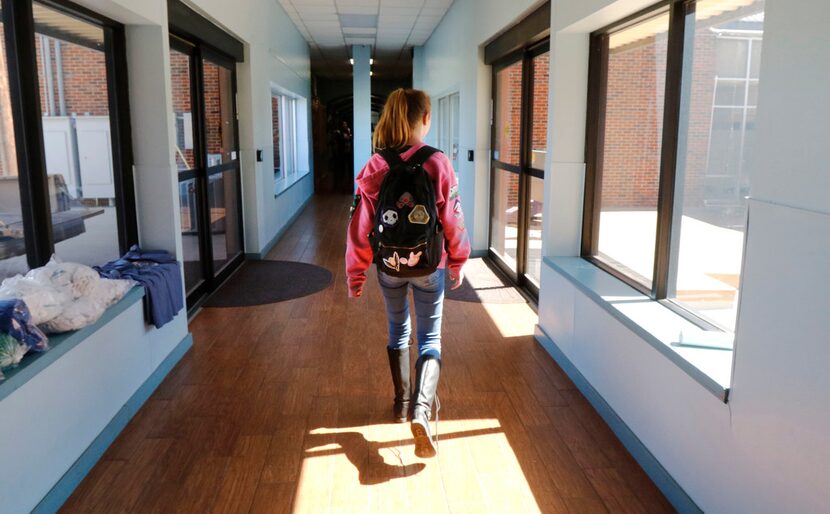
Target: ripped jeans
<point>428,292</point>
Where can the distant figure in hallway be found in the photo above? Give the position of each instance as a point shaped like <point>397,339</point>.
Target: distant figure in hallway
<point>398,138</point>
<point>343,156</point>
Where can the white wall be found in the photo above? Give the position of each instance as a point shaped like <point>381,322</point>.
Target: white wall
<point>53,418</point>
<point>275,52</point>
<point>451,61</point>
<point>765,451</point>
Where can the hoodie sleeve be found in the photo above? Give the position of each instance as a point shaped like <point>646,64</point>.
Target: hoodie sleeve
<point>358,249</point>
<point>452,216</point>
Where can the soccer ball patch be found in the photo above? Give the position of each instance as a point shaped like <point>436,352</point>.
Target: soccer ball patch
<point>390,217</point>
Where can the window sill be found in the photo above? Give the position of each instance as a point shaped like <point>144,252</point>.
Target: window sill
<point>288,185</point>
<point>709,362</point>
<point>34,363</point>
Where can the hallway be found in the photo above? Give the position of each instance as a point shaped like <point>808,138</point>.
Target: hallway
<point>285,408</point>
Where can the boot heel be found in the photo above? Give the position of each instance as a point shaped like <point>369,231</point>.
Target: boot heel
<point>424,447</point>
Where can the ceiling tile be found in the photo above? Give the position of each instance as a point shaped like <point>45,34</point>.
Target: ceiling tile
<point>357,9</point>
<point>391,27</point>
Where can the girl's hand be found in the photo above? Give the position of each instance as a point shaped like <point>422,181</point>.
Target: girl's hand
<point>356,293</point>
<point>457,279</point>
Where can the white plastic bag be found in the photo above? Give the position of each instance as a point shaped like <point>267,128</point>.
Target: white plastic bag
<point>65,296</point>
<point>44,300</point>
<point>76,279</point>
<point>76,314</point>
<point>87,309</point>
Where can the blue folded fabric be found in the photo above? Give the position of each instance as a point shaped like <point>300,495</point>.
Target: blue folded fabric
<point>159,272</point>
<point>16,321</point>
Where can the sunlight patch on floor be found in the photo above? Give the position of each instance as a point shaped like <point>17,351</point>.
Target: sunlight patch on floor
<point>512,320</point>
<point>373,468</point>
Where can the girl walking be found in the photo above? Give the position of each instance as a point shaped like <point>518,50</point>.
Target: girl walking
<point>407,190</point>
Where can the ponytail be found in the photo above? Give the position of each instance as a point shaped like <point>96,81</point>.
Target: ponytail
<point>403,109</point>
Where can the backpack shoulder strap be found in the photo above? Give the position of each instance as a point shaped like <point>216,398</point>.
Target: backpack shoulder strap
<point>391,157</point>
<point>422,155</point>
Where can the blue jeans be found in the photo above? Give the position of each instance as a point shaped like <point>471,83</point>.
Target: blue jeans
<point>429,306</point>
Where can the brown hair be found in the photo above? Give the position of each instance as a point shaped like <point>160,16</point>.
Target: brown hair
<point>403,109</point>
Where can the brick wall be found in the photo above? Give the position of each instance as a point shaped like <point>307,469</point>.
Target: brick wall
<point>84,79</point>
<point>633,123</point>
<point>213,111</point>
<point>508,130</point>
<point>180,81</point>
<point>541,83</point>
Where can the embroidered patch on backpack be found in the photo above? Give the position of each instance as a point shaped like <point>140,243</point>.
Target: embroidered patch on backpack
<point>406,200</point>
<point>419,215</point>
<point>393,262</point>
<point>390,217</point>
<point>412,260</point>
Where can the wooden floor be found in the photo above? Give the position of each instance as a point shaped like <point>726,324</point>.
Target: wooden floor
<point>286,408</point>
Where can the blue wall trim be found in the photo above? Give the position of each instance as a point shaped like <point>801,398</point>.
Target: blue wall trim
<point>56,497</point>
<point>281,232</point>
<point>658,474</point>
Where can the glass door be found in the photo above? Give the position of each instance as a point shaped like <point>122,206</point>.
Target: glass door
<point>222,162</point>
<point>519,147</point>
<point>207,158</point>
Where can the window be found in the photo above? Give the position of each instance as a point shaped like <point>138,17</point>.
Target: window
<point>203,82</point>
<point>289,118</point>
<point>519,141</point>
<point>65,179</point>
<point>275,131</point>
<point>13,239</point>
<point>672,114</point>
<point>448,127</point>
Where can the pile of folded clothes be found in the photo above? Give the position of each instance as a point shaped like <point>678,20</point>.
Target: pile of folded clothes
<point>159,273</point>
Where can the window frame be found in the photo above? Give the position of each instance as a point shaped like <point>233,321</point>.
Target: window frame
<point>666,244</point>
<point>525,55</point>
<point>291,107</point>
<point>21,57</point>
<point>200,52</point>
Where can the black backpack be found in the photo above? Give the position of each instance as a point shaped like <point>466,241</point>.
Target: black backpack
<point>407,238</point>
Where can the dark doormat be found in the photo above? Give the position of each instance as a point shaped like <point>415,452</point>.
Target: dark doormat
<point>261,282</point>
<point>483,285</point>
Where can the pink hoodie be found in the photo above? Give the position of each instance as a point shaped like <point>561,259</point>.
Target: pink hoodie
<point>358,250</point>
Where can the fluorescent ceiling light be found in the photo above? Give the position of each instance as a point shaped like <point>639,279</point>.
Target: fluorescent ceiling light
<point>371,61</point>
<point>359,21</point>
